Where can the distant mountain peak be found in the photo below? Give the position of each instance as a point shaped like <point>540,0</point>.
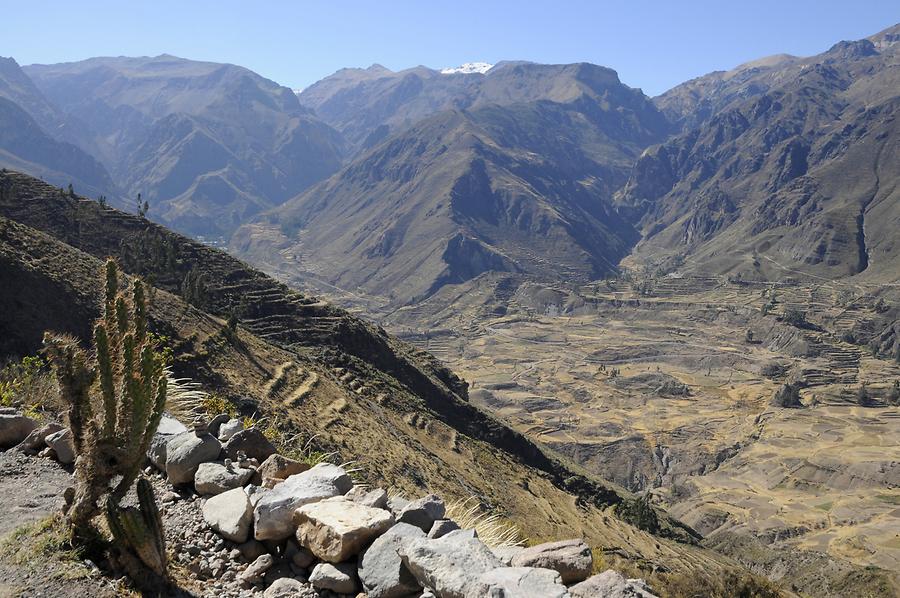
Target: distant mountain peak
<point>468,68</point>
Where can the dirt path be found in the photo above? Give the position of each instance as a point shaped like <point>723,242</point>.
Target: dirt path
<point>30,489</point>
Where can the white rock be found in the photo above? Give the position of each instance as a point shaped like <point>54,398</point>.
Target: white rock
<point>229,429</point>
<point>215,478</point>
<point>506,553</point>
<point>168,428</point>
<point>340,578</point>
<point>571,558</point>
<point>254,573</point>
<point>381,569</point>
<point>450,566</point>
<point>377,498</point>
<point>186,451</point>
<point>519,582</point>
<point>61,443</point>
<point>14,428</point>
<point>287,587</point>
<point>423,512</point>
<point>336,529</point>
<point>274,512</point>
<point>230,514</point>
<point>611,584</point>
<point>35,441</point>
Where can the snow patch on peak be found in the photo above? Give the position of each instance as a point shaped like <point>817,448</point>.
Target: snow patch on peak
<point>468,68</point>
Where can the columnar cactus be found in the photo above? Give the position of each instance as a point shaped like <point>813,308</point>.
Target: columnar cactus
<point>114,401</point>
<point>140,528</point>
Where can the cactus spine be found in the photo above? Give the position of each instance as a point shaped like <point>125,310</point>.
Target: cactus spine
<point>113,404</point>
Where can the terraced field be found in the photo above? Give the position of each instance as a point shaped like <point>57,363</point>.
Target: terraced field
<point>664,389</point>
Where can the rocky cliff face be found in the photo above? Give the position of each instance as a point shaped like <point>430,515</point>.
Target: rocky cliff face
<point>788,162</point>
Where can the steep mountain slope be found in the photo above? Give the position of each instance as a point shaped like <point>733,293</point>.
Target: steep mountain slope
<point>312,368</point>
<point>368,105</point>
<point>523,187</point>
<point>206,144</point>
<point>794,168</point>
<point>33,133</point>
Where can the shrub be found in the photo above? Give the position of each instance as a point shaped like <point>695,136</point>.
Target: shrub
<point>639,513</point>
<point>794,317</point>
<point>862,396</point>
<point>491,528</point>
<point>733,584</point>
<point>788,396</point>
<point>773,370</point>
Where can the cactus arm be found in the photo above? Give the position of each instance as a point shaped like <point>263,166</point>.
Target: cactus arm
<point>140,312</point>
<point>152,518</point>
<point>107,387</point>
<point>140,529</point>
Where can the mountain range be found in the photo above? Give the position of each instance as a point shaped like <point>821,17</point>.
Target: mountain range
<point>782,164</point>
<point>395,184</point>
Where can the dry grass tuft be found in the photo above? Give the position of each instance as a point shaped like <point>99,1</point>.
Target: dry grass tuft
<point>492,529</point>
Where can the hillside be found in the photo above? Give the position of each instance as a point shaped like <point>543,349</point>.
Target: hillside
<point>523,187</point>
<point>207,144</point>
<point>313,368</point>
<point>790,167</point>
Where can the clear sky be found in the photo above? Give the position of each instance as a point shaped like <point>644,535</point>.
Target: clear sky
<point>653,44</point>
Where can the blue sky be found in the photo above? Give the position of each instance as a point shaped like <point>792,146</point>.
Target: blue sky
<point>652,44</point>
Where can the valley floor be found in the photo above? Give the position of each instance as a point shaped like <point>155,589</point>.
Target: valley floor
<point>666,390</point>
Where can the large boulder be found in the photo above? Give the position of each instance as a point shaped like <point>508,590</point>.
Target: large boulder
<point>336,529</point>
<point>186,451</point>
<point>278,467</point>
<point>168,428</point>
<point>14,428</point>
<point>519,582</point>
<point>275,510</point>
<point>230,514</point>
<point>215,478</point>
<point>611,584</point>
<point>35,441</point>
<point>252,442</point>
<point>381,568</point>
<point>450,566</point>
<point>572,559</point>
<point>506,553</point>
<point>423,512</point>
<point>61,443</point>
<point>340,578</point>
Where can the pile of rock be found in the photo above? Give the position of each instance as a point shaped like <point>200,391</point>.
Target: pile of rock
<point>23,433</point>
<point>249,520</point>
